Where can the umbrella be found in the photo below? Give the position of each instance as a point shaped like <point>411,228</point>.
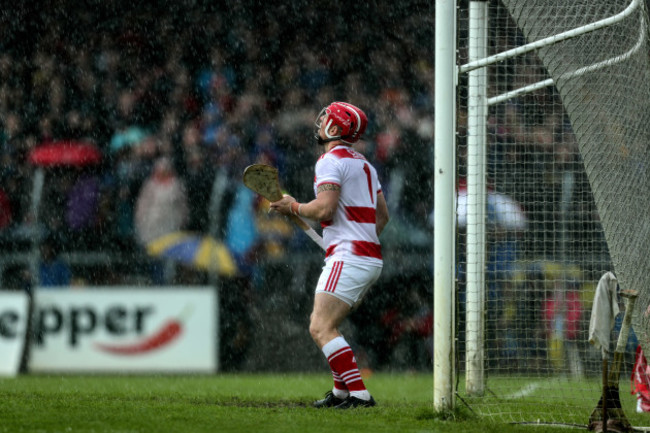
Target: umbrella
<point>130,137</point>
<point>65,153</point>
<point>502,211</point>
<point>200,251</point>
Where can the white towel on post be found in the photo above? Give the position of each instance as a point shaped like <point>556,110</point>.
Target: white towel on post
<point>603,312</point>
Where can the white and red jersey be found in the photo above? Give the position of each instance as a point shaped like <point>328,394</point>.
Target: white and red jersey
<point>351,235</point>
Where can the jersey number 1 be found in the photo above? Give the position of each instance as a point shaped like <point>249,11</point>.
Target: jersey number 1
<point>368,176</point>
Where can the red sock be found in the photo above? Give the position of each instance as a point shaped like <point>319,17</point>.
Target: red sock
<point>341,360</point>
<point>338,383</point>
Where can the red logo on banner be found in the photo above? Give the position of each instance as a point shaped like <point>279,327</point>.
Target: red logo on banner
<point>169,332</point>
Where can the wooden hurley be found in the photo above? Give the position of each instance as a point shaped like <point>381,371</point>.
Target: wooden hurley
<point>264,180</point>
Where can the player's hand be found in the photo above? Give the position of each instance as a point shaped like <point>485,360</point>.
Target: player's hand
<point>283,205</point>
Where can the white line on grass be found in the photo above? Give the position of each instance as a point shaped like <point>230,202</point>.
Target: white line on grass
<point>523,392</point>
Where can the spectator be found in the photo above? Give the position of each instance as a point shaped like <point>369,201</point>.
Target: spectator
<point>563,312</point>
<point>161,206</point>
<point>52,271</point>
<point>82,207</point>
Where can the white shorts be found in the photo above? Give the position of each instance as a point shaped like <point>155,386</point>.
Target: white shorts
<point>347,281</point>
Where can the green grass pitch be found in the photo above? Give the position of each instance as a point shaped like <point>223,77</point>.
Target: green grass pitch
<point>227,403</point>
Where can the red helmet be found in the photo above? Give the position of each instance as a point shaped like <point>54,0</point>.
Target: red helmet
<point>350,119</point>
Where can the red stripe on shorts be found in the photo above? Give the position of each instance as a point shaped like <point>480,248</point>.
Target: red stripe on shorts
<point>333,279</point>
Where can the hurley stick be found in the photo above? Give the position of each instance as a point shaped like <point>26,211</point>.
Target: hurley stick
<point>264,180</point>
<point>621,343</point>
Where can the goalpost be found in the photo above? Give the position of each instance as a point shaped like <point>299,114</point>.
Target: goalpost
<point>444,179</point>
<point>553,177</point>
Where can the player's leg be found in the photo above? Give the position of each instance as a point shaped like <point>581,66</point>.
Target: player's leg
<point>340,289</point>
<point>325,319</point>
<point>328,314</point>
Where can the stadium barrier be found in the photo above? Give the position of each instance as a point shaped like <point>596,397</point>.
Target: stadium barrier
<point>112,329</point>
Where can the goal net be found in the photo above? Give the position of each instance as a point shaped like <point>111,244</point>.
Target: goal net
<point>568,180</point>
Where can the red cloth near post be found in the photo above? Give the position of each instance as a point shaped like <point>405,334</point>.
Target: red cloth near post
<point>641,381</point>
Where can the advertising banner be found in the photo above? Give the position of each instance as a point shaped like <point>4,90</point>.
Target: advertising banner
<point>14,308</point>
<point>125,329</point>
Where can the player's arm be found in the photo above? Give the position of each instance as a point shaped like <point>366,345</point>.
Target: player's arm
<point>381,215</point>
<point>323,207</point>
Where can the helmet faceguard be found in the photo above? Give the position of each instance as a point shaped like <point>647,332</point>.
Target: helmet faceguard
<point>350,120</point>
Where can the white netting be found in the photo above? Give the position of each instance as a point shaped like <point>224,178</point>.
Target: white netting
<point>568,180</point>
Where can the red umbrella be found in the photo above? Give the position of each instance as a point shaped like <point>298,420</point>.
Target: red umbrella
<point>65,153</point>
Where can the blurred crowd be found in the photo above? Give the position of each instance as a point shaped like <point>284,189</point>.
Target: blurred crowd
<point>179,98</point>
<point>173,98</point>
<point>205,91</point>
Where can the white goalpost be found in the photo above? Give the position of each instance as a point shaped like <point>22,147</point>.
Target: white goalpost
<point>444,185</point>
<point>542,114</point>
